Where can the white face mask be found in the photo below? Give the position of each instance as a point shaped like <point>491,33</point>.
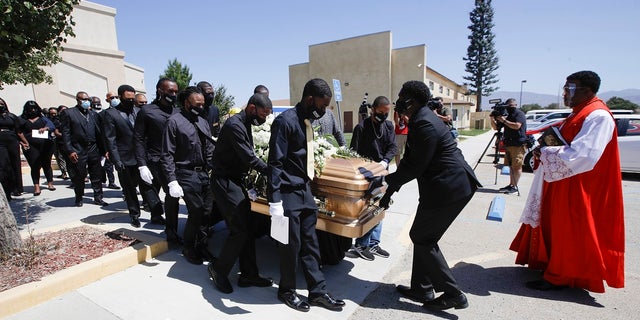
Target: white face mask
<point>114,102</point>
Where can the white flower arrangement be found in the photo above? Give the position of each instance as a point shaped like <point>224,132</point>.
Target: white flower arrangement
<point>322,149</point>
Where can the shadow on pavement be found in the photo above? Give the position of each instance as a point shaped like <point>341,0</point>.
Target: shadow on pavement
<point>479,281</point>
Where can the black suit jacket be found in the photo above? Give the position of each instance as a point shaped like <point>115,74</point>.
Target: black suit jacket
<point>432,156</point>
<point>118,134</point>
<point>75,130</point>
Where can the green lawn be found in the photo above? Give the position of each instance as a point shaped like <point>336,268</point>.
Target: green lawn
<point>472,132</point>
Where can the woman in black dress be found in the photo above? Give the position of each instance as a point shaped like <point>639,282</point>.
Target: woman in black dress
<point>10,139</point>
<point>39,154</point>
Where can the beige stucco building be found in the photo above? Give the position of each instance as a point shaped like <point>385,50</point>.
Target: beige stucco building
<point>369,64</point>
<point>91,62</point>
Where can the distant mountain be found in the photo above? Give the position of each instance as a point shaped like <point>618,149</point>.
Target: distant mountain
<point>544,100</point>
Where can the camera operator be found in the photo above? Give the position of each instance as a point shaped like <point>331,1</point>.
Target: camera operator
<point>515,128</point>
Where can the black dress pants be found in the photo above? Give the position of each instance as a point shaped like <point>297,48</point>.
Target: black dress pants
<point>233,203</point>
<point>303,245</point>
<point>198,198</point>
<point>429,265</point>
<point>129,177</point>
<point>88,161</point>
<point>150,194</point>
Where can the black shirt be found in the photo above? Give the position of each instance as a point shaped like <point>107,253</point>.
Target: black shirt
<point>9,127</point>
<point>375,141</point>
<point>212,115</point>
<point>515,137</point>
<point>287,154</point>
<point>182,143</point>
<point>234,155</point>
<point>149,126</point>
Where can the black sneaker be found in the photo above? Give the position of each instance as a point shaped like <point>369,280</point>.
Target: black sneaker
<point>378,251</point>
<point>363,252</point>
<point>511,189</point>
<point>505,188</point>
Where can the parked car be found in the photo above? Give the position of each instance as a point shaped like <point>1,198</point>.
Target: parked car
<point>628,126</point>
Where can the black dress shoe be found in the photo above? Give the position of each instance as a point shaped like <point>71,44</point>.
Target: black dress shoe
<point>113,186</point>
<point>542,285</point>
<point>204,253</point>
<point>78,204</point>
<point>417,295</point>
<point>445,302</point>
<point>191,256</point>
<point>327,301</point>
<point>100,202</point>
<point>256,281</point>
<point>173,238</point>
<point>221,282</point>
<point>158,220</point>
<point>135,222</point>
<point>293,300</point>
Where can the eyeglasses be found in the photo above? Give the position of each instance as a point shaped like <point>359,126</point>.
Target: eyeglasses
<point>572,87</point>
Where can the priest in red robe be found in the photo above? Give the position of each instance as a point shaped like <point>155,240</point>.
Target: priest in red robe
<point>573,222</point>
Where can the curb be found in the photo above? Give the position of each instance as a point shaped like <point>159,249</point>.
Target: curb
<point>31,294</point>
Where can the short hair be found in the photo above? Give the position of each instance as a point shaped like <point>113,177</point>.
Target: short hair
<point>416,90</point>
<point>203,84</point>
<point>140,94</point>
<point>79,93</point>
<point>260,89</point>
<point>586,78</point>
<point>380,101</point>
<point>162,80</point>
<point>316,88</point>
<point>260,100</point>
<point>5,103</point>
<point>186,93</point>
<point>125,88</point>
<point>61,107</point>
<point>510,100</point>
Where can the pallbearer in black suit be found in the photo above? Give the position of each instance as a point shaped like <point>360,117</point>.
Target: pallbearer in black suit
<point>232,160</point>
<point>185,158</point>
<point>81,132</point>
<point>290,174</point>
<point>150,123</point>
<point>118,124</point>
<point>446,183</point>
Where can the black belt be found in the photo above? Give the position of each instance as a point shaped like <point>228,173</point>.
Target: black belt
<point>194,168</point>
<point>288,188</point>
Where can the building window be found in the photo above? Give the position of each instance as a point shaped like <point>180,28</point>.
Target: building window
<point>448,92</point>
<point>440,89</point>
<point>431,85</point>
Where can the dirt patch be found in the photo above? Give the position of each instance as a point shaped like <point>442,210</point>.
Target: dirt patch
<point>47,253</point>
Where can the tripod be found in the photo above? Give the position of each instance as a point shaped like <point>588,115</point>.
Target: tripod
<point>497,137</point>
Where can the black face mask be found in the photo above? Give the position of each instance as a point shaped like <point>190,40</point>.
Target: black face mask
<point>31,114</point>
<point>170,99</point>
<point>403,106</point>
<point>126,105</point>
<point>3,109</point>
<point>196,110</point>
<point>381,117</point>
<point>208,99</point>
<point>316,113</point>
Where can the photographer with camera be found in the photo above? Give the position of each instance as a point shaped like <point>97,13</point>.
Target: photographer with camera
<point>443,113</point>
<point>506,115</point>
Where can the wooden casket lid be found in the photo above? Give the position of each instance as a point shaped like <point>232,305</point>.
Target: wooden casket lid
<point>345,173</point>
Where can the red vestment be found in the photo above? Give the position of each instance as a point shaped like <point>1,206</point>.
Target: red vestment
<point>580,240</point>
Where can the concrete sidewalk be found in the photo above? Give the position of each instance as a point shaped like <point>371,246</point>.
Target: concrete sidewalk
<point>168,287</point>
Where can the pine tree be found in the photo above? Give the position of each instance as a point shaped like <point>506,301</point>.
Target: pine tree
<point>482,58</point>
<point>176,71</point>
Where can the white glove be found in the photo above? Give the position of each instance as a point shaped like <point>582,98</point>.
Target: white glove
<point>175,190</point>
<point>384,164</point>
<point>253,195</point>
<point>276,210</point>
<point>145,174</point>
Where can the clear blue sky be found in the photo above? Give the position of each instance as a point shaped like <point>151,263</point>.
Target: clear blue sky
<point>241,44</point>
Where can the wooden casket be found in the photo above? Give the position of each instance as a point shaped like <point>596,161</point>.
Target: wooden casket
<point>347,206</point>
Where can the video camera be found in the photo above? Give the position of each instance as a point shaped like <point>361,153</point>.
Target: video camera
<point>434,104</point>
<point>499,108</point>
